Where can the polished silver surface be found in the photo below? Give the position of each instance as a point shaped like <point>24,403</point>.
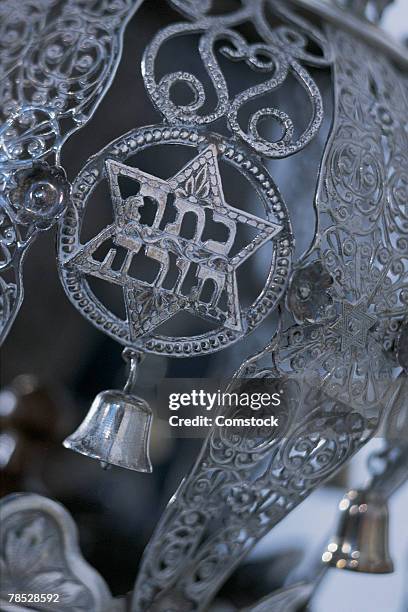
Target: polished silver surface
<point>116,431</point>
<point>39,553</point>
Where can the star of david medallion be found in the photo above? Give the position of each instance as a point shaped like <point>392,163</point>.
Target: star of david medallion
<point>195,273</point>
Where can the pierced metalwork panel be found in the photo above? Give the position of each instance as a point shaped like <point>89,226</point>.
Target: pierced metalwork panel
<point>371,9</point>
<point>57,60</point>
<point>282,53</point>
<point>196,189</point>
<point>335,366</point>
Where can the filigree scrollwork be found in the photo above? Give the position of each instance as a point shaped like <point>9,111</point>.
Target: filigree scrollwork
<point>40,554</point>
<point>57,60</point>
<point>335,366</point>
<point>61,64</point>
<point>281,53</point>
<point>37,197</point>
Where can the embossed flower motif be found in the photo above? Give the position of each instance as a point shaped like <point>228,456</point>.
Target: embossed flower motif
<point>307,297</point>
<point>383,118</point>
<point>242,499</point>
<point>40,195</point>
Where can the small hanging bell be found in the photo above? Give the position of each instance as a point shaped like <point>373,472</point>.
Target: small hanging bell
<point>117,427</point>
<point>361,541</point>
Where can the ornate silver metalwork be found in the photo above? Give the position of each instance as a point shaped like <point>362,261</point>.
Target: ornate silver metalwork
<point>307,297</point>
<point>346,18</point>
<point>57,60</point>
<point>397,419</point>
<point>361,540</point>
<point>334,355</point>
<point>336,371</point>
<point>384,482</point>
<point>371,9</point>
<point>40,554</point>
<point>196,189</point>
<point>282,54</point>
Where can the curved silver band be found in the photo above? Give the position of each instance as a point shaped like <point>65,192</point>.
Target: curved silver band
<point>365,30</point>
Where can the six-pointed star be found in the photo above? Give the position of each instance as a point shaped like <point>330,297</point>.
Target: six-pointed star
<point>197,189</point>
<point>353,324</point>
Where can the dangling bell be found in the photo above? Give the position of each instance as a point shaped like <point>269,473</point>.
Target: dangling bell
<point>117,428</point>
<point>361,542</point>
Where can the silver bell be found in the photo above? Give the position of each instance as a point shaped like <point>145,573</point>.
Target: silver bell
<point>116,431</point>
<point>361,541</point>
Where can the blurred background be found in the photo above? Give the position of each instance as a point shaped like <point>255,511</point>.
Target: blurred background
<point>54,363</point>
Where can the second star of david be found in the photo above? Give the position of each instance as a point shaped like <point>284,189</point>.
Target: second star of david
<point>197,190</point>
<point>353,325</point>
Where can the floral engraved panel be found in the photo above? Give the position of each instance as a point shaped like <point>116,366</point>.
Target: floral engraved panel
<point>39,554</point>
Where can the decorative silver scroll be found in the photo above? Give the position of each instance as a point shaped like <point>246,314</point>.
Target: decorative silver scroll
<point>282,53</point>
<point>335,366</point>
<point>198,274</point>
<point>341,335</point>
<point>57,60</point>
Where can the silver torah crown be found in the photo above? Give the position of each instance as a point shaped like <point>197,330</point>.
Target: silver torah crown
<point>341,337</point>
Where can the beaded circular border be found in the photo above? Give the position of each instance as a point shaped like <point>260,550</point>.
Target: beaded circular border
<point>78,289</point>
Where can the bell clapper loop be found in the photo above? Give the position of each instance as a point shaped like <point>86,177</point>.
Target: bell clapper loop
<point>116,430</point>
